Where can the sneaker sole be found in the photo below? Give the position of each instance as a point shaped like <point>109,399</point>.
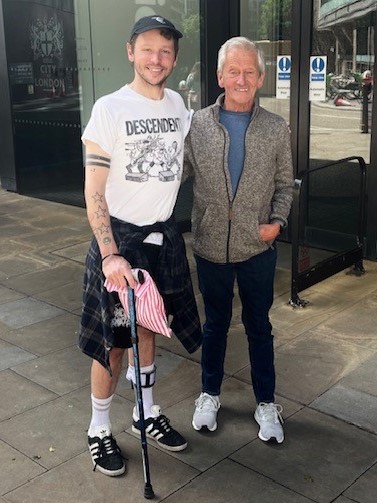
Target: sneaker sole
<point>110,473</point>
<point>271,439</point>
<point>198,428</point>
<point>174,448</point>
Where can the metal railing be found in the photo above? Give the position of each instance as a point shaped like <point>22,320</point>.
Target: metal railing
<point>327,223</point>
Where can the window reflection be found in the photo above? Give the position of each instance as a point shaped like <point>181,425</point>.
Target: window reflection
<point>268,23</point>
<point>62,56</point>
<point>340,124</point>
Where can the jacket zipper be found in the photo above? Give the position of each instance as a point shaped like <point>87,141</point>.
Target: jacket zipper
<point>230,217</point>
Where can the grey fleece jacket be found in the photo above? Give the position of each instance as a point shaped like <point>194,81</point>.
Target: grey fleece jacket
<point>225,226</point>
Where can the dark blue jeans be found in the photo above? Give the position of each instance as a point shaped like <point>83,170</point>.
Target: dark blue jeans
<point>255,279</point>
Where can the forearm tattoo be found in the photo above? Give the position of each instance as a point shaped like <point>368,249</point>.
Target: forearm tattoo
<point>99,212</point>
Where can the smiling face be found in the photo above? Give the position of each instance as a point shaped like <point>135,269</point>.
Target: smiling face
<point>154,59</point>
<point>240,78</point>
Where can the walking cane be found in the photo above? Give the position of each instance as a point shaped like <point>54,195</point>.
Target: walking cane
<point>148,490</point>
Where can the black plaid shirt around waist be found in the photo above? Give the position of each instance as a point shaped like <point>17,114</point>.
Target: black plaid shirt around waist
<point>172,277</point>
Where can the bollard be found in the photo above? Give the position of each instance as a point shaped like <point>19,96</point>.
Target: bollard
<point>366,87</point>
<point>364,111</point>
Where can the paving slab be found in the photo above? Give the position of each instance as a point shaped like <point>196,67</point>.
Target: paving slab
<point>349,405</point>
<point>343,499</point>
<point>68,296</point>
<point>75,252</point>
<point>61,372</point>
<point>56,431</point>
<point>8,295</point>
<point>11,355</point>
<point>23,312</point>
<point>363,378</point>
<point>320,457</point>
<point>19,394</point>
<point>43,239</point>
<point>54,277</point>
<point>16,469</point>
<point>229,482</point>
<point>349,286</point>
<point>46,336</point>
<point>76,481</point>
<point>19,264</point>
<point>364,489</point>
<point>308,366</point>
<point>296,321</point>
<point>357,324</point>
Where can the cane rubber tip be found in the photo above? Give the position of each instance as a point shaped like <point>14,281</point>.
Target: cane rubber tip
<point>148,492</point>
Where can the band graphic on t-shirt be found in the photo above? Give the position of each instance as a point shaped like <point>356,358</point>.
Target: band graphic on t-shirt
<point>153,157</point>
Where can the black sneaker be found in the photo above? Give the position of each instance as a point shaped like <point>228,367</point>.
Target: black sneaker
<point>158,428</point>
<point>106,455</point>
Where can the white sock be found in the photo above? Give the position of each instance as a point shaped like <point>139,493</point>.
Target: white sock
<point>147,393</point>
<point>100,413</point>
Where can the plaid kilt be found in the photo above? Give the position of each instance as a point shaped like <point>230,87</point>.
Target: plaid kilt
<point>172,276</point>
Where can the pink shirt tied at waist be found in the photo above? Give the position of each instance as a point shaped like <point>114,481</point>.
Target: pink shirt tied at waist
<point>149,305</point>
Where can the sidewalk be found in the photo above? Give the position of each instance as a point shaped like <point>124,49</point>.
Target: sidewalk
<point>326,359</point>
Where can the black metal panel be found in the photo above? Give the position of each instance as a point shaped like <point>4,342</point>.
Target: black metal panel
<point>326,269</point>
<point>303,279</point>
<point>7,164</point>
<point>371,231</point>
<point>219,21</point>
<point>302,19</point>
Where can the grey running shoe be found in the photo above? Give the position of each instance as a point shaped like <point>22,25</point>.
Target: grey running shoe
<point>205,415</point>
<point>268,416</point>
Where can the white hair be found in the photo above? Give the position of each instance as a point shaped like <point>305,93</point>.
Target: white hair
<point>240,43</point>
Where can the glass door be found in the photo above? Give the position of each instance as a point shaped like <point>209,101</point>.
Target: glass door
<point>341,100</point>
<point>319,77</point>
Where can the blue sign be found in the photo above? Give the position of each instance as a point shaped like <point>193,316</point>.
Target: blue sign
<point>318,65</point>
<point>285,64</point>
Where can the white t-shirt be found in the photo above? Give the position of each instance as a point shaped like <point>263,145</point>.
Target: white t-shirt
<point>144,139</point>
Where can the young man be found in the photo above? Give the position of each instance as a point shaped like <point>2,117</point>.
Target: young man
<point>240,156</point>
<point>130,192</point>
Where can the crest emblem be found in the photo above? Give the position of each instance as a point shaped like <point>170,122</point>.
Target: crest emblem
<point>47,38</point>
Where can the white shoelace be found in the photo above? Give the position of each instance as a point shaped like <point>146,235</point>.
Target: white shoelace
<point>207,403</point>
<point>271,412</point>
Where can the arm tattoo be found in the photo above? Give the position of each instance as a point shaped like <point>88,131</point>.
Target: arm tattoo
<point>97,160</point>
<point>97,198</point>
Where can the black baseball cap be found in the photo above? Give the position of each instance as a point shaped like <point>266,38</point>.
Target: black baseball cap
<point>154,23</point>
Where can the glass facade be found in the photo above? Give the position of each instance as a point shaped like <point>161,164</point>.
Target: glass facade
<point>268,23</point>
<point>340,101</point>
<point>62,56</point>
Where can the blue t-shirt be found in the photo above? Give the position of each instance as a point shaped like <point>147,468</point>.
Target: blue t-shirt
<point>236,124</point>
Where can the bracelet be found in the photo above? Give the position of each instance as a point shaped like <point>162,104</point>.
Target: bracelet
<point>111,255</point>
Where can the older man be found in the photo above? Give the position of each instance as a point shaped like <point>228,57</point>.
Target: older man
<point>240,157</point>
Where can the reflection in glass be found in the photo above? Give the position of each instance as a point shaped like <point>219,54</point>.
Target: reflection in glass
<point>340,124</point>
<point>62,56</point>
<point>268,23</point>
<point>42,62</point>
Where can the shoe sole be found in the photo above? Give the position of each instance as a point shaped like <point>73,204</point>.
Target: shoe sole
<point>198,428</point>
<point>173,448</point>
<point>110,473</point>
<point>271,439</point>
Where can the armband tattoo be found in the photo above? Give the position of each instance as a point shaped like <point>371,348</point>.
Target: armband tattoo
<point>97,160</point>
